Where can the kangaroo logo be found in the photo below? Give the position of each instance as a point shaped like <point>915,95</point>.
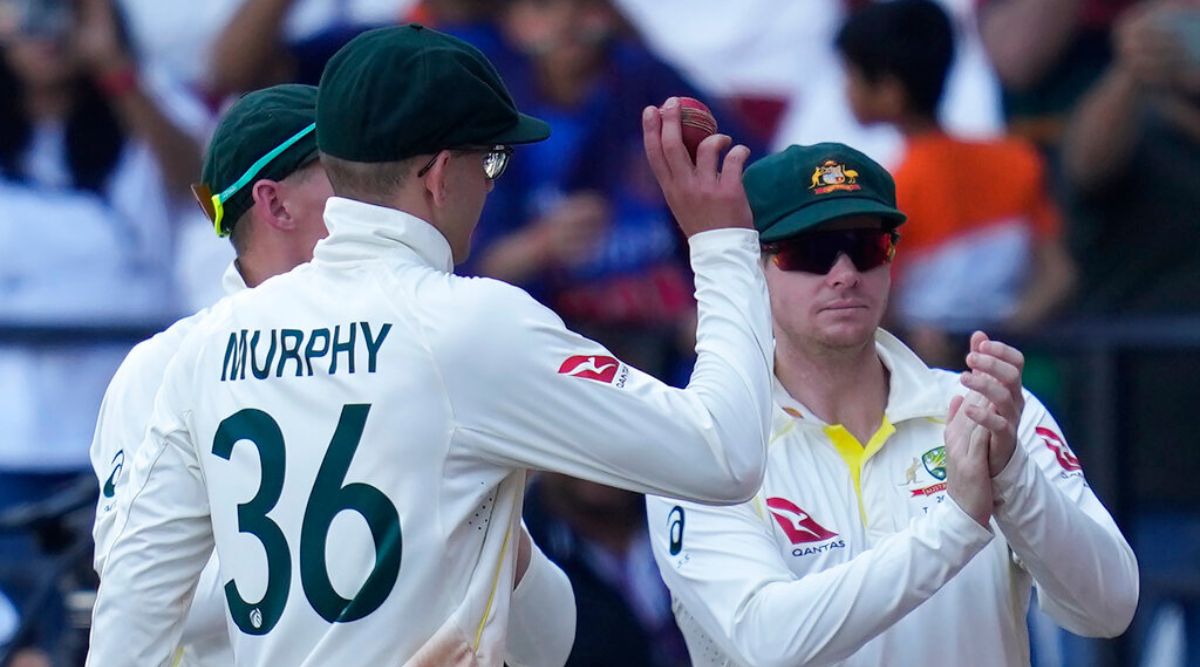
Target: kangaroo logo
<point>796,523</point>
<point>910,473</point>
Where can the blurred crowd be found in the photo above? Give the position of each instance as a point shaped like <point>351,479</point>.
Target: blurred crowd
<point>1047,153</point>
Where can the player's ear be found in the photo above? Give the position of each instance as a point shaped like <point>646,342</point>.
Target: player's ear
<point>268,201</point>
<point>435,179</point>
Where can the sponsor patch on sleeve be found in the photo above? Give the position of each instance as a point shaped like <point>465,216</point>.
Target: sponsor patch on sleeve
<point>604,369</point>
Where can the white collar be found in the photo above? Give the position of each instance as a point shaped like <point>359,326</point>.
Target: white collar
<point>358,231</point>
<point>232,281</point>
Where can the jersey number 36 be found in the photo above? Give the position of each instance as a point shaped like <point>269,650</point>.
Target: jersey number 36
<point>329,497</point>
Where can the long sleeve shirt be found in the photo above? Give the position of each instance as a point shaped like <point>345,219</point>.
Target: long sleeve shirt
<point>353,438</point>
<point>854,554</point>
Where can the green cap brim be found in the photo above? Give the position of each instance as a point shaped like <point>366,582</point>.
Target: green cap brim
<point>820,212</point>
<point>528,130</point>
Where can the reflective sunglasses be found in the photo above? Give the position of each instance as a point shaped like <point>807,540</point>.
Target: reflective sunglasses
<point>817,252</point>
<point>495,159</point>
<point>214,205</point>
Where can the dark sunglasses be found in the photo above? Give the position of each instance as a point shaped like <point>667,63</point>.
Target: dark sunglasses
<point>817,252</point>
<point>495,159</point>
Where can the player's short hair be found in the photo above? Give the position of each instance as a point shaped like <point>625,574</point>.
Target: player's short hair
<point>910,40</point>
<point>370,182</point>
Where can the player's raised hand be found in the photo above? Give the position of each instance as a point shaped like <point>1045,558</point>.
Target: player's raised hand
<point>701,197</point>
<point>995,372</point>
<point>968,480</point>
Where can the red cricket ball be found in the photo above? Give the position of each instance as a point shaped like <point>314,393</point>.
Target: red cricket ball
<point>697,121</point>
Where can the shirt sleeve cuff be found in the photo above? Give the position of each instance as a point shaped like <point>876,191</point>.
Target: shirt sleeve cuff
<point>1008,482</point>
<point>716,240</point>
<point>960,523</point>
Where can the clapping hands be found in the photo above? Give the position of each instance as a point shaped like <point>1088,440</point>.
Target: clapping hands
<point>981,431</point>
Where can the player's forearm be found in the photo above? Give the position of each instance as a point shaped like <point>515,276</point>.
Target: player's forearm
<point>541,622</point>
<point>735,351</point>
<point>144,597</point>
<point>1085,571</point>
<point>827,616</point>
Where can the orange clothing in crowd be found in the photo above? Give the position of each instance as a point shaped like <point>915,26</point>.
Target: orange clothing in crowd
<point>975,209</point>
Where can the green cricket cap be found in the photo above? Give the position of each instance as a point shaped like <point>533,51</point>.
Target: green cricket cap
<point>801,187</point>
<point>256,126</point>
<point>393,93</point>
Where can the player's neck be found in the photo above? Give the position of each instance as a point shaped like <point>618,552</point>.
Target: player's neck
<point>841,386</point>
<point>257,266</point>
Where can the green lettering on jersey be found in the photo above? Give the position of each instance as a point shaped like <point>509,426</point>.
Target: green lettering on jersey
<point>328,499</point>
<point>312,352</point>
<point>235,357</point>
<point>373,344</point>
<point>265,371</point>
<point>261,430</point>
<point>347,347</point>
<point>290,351</point>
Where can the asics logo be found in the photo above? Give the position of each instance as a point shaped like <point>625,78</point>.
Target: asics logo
<point>796,523</point>
<point>598,368</point>
<point>110,484</point>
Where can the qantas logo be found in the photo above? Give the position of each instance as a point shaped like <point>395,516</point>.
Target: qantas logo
<point>796,523</point>
<point>598,368</point>
<point>1066,458</point>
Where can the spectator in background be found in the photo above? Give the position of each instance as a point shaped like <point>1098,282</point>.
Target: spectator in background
<point>216,49</point>
<point>821,112</point>
<point>90,166</point>
<point>983,248</point>
<point>578,220</point>
<point>598,536</point>
<point>1132,160</point>
<point>261,43</point>
<point>1047,53</point>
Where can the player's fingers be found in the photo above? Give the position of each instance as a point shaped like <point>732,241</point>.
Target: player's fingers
<point>1003,371</point>
<point>988,419</point>
<point>977,340</point>
<point>709,152</point>
<point>1005,352</point>
<point>955,404</point>
<point>957,424</point>
<point>674,151</point>
<point>652,141</point>
<point>735,163</point>
<point>991,388</point>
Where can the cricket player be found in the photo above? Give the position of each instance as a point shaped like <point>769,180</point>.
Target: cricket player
<point>262,162</point>
<point>353,436</point>
<point>874,539</point>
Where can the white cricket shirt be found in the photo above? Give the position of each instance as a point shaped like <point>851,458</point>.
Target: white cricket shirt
<point>853,554</point>
<point>353,436</point>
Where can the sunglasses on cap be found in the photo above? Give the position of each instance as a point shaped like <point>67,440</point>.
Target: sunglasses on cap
<point>817,252</point>
<point>495,159</point>
<point>214,205</point>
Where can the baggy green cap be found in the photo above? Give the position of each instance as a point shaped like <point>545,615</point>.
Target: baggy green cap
<point>250,130</point>
<point>801,187</point>
<point>393,93</point>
